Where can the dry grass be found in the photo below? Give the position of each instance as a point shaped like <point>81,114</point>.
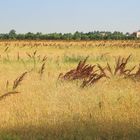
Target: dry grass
<point>53,109</point>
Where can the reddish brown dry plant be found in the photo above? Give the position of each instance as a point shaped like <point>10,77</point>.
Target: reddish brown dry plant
<point>84,72</point>
<point>92,80</point>
<point>119,69</point>
<point>18,81</point>
<point>136,75</point>
<point>89,75</point>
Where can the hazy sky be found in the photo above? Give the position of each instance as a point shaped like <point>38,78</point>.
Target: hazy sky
<point>69,15</point>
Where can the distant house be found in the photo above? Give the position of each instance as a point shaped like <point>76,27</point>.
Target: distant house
<point>103,34</point>
<point>137,34</point>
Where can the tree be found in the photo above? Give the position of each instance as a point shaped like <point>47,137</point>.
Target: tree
<point>77,36</point>
<point>29,35</point>
<point>67,36</point>
<point>12,34</point>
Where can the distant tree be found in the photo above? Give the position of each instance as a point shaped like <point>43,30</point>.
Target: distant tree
<point>20,36</point>
<point>12,34</point>
<point>4,36</point>
<point>77,36</point>
<point>84,37</point>
<point>29,35</point>
<point>38,35</point>
<point>67,36</point>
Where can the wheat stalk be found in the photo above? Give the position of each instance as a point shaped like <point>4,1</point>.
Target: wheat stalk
<point>7,85</point>
<point>18,81</point>
<point>41,71</point>
<point>28,55</point>
<point>6,49</point>
<point>44,58</point>
<point>18,57</point>
<point>8,94</point>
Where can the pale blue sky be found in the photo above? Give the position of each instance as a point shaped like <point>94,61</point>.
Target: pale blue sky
<point>69,15</point>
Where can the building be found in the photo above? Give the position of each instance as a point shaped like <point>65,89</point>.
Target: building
<point>137,34</point>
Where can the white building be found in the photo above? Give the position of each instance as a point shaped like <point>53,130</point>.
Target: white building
<point>138,34</point>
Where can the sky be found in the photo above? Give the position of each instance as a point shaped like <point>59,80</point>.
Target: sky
<point>64,16</point>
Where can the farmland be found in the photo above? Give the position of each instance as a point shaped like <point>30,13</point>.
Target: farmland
<point>38,103</point>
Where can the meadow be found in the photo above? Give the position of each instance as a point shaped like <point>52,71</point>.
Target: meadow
<point>36,103</point>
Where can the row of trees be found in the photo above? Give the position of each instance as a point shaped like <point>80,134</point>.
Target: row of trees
<point>96,35</point>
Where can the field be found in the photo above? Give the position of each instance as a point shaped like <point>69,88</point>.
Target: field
<point>38,103</point>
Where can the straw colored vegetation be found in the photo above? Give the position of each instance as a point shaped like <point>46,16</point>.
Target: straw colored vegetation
<point>46,94</point>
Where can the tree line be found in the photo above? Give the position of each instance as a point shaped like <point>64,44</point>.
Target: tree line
<point>96,35</point>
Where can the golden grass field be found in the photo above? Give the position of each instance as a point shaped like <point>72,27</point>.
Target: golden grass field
<point>50,109</point>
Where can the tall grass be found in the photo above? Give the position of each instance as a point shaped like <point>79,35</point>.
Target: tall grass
<point>48,108</point>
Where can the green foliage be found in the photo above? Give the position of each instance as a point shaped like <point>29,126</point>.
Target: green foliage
<point>12,34</point>
<point>9,137</point>
<point>96,35</point>
<point>73,59</point>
